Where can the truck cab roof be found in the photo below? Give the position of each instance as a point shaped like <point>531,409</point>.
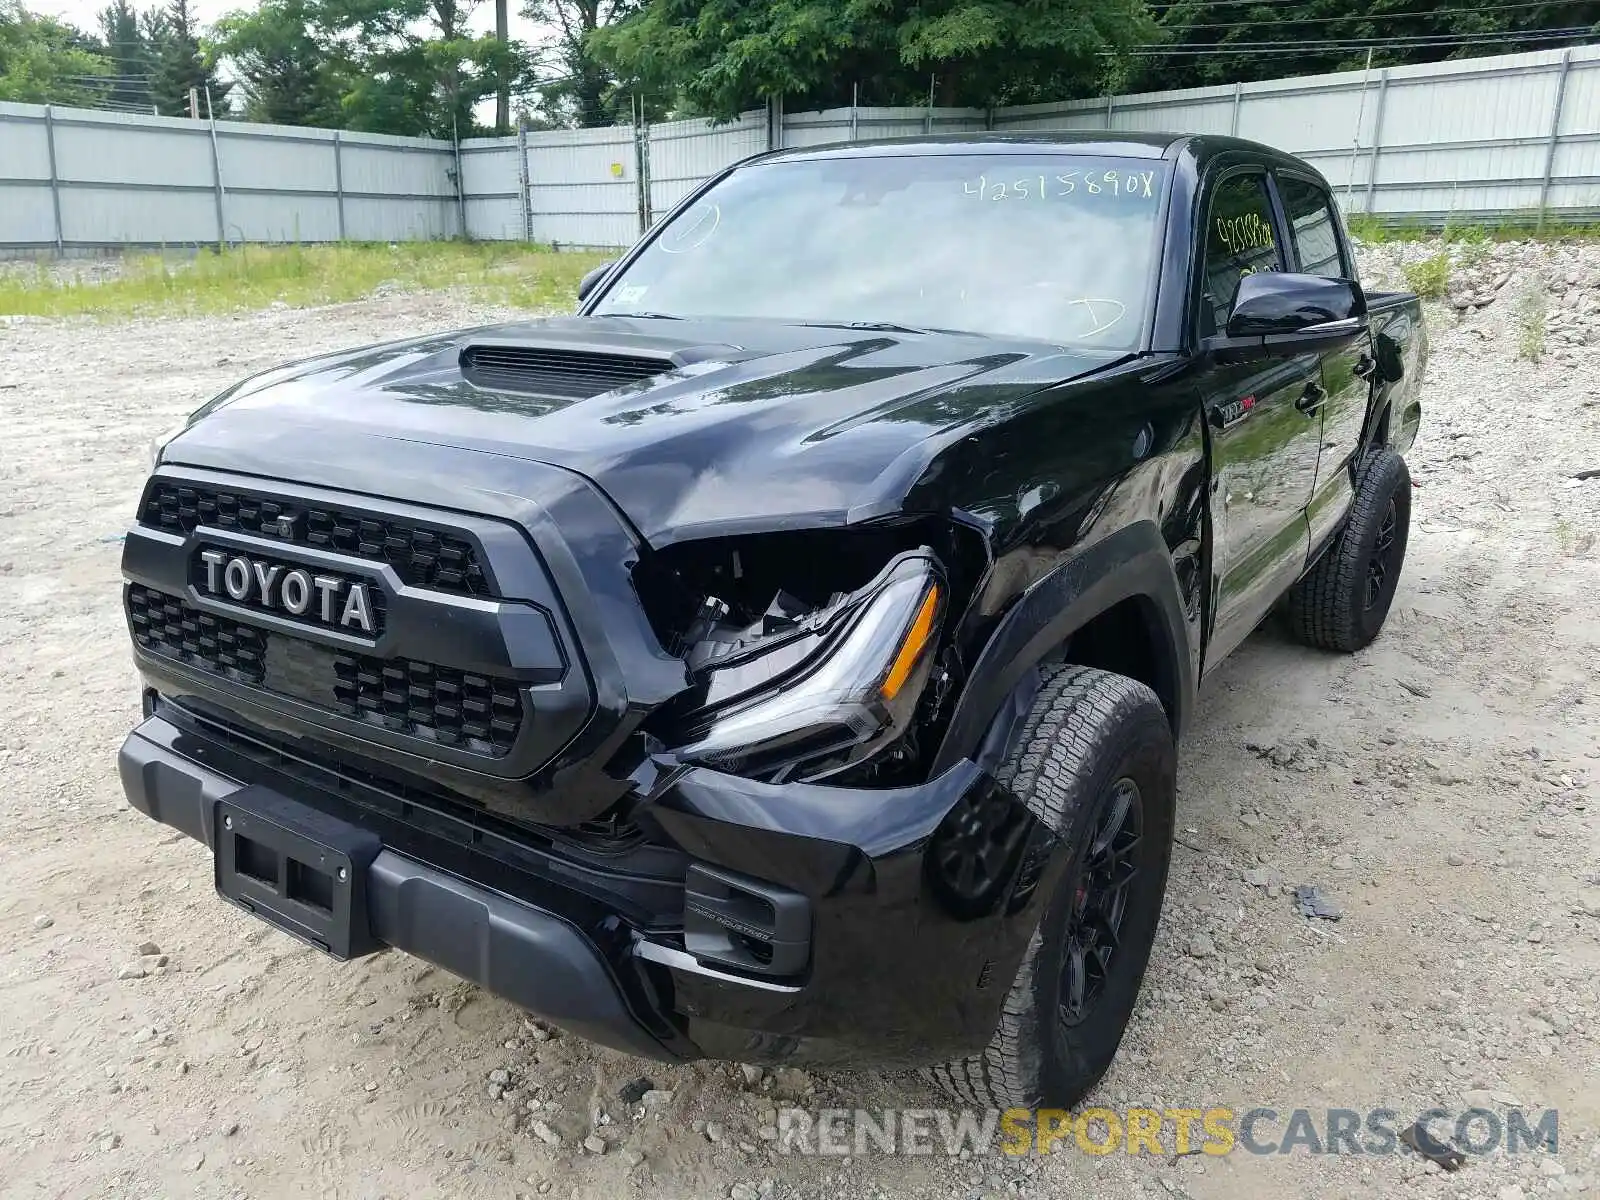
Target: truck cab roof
<point>1113,142</point>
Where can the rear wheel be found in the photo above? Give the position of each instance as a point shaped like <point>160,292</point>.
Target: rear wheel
<point>1095,761</point>
<point>1343,601</point>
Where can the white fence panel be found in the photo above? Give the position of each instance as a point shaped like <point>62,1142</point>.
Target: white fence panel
<point>398,189</point>
<point>24,143</point>
<point>93,216</point>
<point>27,211</point>
<point>684,154</point>
<point>1070,114</point>
<point>864,124</point>
<point>1468,138</point>
<point>279,188</point>
<point>583,187</point>
<point>153,152</point>
<point>491,176</point>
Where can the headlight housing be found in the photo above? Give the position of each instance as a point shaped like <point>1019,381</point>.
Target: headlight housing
<point>830,690</point>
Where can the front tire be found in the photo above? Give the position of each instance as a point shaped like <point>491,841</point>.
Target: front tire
<point>1343,601</point>
<point>1095,761</point>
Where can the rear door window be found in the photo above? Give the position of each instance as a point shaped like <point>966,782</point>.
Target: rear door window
<point>1313,224</point>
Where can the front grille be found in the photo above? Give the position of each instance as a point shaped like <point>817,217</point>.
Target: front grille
<point>577,374</point>
<point>477,713</point>
<point>443,704</point>
<point>165,625</point>
<point>421,557</point>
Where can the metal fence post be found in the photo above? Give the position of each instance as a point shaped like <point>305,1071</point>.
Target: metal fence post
<point>338,178</point>
<point>461,178</point>
<point>1377,140</point>
<point>1355,144</point>
<point>526,205</point>
<point>1110,100</point>
<point>1238,98</point>
<point>641,158</point>
<point>775,122</point>
<point>216,175</point>
<point>855,101</point>
<point>55,181</point>
<point>927,120</point>
<point>1555,134</point>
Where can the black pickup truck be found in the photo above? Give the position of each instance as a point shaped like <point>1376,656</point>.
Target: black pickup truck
<point>782,659</point>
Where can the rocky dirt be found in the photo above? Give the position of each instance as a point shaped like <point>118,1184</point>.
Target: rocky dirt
<point>1441,788</point>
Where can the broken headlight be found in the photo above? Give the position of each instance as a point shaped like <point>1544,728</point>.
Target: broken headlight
<point>804,695</point>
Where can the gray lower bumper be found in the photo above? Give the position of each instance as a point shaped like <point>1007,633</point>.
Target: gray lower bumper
<point>527,955</point>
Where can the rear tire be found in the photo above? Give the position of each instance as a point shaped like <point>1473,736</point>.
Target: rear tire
<point>1095,761</point>
<point>1343,601</point>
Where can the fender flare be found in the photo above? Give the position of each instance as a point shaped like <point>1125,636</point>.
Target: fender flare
<point>1132,563</point>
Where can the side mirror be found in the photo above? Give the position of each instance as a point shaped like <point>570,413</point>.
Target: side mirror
<point>1279,314</point>
<point>591,280</point>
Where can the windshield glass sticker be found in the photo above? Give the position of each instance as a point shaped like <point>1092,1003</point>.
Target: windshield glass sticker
<point>1137,186</point>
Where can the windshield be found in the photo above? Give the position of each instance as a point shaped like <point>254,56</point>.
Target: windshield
<point>1051,246</point>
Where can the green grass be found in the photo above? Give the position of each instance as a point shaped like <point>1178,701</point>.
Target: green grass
<point>1531,316</point>
<point>254,277</point>
<point>1515,227</point>
<point>1429,277</point>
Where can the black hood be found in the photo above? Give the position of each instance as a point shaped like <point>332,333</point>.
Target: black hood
<point>748,425</point>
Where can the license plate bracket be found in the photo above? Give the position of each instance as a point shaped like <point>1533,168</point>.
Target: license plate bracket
<point>298,869</point>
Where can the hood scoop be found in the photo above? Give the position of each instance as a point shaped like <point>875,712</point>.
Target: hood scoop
<point>578,367</point>
<point>570,374</point>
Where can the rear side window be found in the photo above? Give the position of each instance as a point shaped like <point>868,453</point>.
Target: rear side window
<point>1239,242</point>
<point>1312,223</point>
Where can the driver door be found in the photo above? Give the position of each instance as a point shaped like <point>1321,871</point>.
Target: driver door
<point>1262,422</point>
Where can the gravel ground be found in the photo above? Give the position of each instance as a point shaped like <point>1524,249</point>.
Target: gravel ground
<point>1440,787</point>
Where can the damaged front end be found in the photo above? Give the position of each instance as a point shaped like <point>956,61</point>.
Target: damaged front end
<point>820,656</point>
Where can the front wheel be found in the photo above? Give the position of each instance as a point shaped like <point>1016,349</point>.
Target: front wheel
<point>1343,601</point>
<point>1095,761</point>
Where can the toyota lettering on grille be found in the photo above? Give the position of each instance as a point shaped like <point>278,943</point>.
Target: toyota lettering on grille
<point>342,603</point>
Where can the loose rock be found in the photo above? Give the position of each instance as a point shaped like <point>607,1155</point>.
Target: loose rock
<point>635,1090</point>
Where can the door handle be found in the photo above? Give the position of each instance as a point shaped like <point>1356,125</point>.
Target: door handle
<point>1312,399</point>
<point>1365,366</point>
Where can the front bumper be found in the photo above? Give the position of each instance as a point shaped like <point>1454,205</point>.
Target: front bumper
<point>907,957</point>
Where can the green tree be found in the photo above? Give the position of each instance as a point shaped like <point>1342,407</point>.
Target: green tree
<point>129,54</point>
<point>289,71</point>
<point>726,55</point>
<point>1236,42</point>
<point>584,90</point>
<point>43,61</point>
<point>412,66</point>
<point>179,63</point>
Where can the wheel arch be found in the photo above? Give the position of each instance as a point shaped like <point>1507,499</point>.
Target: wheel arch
<point>1116,604</point>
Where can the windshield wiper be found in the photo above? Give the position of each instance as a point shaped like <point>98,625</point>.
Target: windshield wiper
<point>643,316</point>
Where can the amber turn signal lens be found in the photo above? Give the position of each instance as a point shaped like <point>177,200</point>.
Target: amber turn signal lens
<point>911,649</point>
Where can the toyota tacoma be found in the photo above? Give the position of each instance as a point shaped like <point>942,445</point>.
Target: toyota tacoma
<point>782,658</point>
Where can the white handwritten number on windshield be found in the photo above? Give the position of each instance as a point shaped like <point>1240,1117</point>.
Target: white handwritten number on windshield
<point>1134,185</point>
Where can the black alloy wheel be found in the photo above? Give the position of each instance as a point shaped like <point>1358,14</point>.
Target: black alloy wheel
<point>1381,561</point>
<point>1099,901</point>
